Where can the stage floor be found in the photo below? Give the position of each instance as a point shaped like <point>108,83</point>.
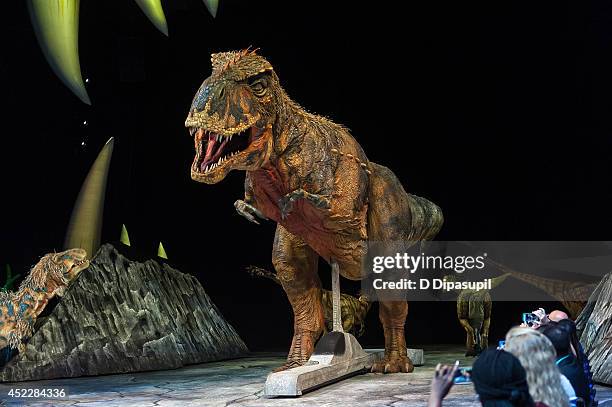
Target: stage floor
<point>240,383</point>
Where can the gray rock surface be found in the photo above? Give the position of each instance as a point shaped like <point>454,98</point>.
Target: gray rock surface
<point>122,316</point>
<point>595,327</point>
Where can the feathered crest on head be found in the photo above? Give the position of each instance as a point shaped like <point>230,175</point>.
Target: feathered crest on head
<point>243,64</point>
<point>42,271</point>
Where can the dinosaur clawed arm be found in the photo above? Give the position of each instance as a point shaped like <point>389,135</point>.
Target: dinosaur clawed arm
<point>247,210</point>
<point>285,204</point>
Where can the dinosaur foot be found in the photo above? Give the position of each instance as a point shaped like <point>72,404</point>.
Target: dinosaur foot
<point>475,351</point>
<point>393,365</point>
<point>287,365</point>
<point>285,204</point>
<point>302,347</point>
<point>396,355</point>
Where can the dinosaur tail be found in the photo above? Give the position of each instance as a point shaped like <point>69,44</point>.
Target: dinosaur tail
<point>426,218</point>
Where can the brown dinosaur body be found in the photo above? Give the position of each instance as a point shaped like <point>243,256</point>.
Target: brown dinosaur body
<point>310,176</point>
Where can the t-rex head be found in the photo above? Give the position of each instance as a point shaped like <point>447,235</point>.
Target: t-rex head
<point>232,115</point>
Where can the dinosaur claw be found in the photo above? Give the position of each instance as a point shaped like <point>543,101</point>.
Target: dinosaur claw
<point>259,214</point>
<point>247,210</point>
<point>285,204</point>
<point>252,219</point>
<point>393,365</point>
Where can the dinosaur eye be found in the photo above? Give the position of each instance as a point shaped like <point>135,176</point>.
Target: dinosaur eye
<point>258,88</point>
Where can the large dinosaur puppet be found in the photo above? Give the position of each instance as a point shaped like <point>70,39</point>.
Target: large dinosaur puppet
<point>48,278</point>
<point>310,176</point>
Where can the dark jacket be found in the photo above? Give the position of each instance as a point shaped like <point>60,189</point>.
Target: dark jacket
<point>570,368</point>
<point>588,375</point>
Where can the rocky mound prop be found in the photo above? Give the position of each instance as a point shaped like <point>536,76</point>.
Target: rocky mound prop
<point>595,327</point>
<point>122,316</point>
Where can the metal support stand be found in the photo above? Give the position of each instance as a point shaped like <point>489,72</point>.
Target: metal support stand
<point>337,356</point>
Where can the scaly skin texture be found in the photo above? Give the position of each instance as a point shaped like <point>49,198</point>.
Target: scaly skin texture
<point>311,177</point>
<point>48,278</point>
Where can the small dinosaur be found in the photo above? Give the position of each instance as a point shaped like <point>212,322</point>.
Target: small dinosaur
<point>474,309</point>
<point>48,278</point>
<point>353,309</point>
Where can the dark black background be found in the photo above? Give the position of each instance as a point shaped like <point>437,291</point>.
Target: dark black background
<point>496,111</point>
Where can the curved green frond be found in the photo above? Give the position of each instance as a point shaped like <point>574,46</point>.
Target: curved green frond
<point>155,13</point>
<point>212,6</point>
<point>56,23</point>
<point>85,226</point>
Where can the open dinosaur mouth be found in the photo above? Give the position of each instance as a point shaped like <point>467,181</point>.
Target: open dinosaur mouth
<point>80,264</point>
<point>214,150</point>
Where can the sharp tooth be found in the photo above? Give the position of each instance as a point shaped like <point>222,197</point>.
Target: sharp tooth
<point>230,137</point>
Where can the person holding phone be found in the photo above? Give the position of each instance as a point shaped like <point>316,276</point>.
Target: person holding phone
<point>499,380</point>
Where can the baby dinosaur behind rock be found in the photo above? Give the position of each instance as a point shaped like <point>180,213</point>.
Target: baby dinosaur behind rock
<point>19,310</point>
<point>354,309</point>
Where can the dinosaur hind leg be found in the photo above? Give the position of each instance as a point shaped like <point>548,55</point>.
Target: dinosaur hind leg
<point>486,324</point>
<point>394,216</point>
<point>392,315</point>
<point>296,266</point>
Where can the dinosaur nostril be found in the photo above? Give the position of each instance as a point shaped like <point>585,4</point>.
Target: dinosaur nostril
<point>222,92</point>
